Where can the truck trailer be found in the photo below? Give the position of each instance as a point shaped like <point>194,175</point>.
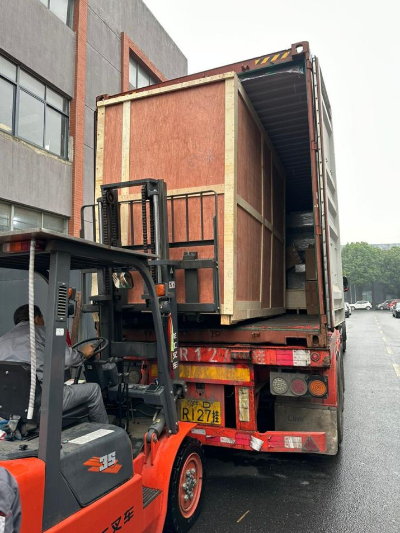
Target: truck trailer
<point>228,176</point>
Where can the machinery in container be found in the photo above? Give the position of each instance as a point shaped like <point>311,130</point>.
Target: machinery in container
<point>241,210</point>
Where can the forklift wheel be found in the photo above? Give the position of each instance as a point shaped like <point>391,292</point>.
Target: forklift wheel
<point>185,487</point>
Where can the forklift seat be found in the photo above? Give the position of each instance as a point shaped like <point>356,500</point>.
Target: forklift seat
<point>15,383</point>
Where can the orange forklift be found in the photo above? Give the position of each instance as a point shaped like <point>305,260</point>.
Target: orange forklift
<point>139,473</point>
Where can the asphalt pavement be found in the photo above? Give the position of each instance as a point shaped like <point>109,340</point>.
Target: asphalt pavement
<point>356,491</point>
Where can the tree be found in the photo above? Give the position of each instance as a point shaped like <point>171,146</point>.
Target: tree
<point>362,263</point>
<point>391,269</point>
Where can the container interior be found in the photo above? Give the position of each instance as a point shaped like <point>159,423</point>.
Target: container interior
<point>279,96</point>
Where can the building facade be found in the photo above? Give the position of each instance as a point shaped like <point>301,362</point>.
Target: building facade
<point>56,57</point>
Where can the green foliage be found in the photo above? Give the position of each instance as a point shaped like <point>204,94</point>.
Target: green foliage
<point>362,263</point>
<point>391,269</point>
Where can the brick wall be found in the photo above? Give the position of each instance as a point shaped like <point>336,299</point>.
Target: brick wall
<point>77,114</point>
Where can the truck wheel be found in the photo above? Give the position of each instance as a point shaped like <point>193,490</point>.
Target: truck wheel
<point>343,335</point>
<point>185,494</point>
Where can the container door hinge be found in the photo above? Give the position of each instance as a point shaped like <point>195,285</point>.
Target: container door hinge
<point>318,230</point>
<point>314,145</point>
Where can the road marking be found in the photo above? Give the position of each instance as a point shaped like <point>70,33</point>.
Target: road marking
<point>241,518</point>
<point>383,338</point>
<point>397,369</point>
<point>389,350</point>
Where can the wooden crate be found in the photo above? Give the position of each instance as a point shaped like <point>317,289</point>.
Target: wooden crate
<point>204,135</point>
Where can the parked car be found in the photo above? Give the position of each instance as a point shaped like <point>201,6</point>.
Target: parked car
<point>347,310</point>
<point>392,304</point>
<point>383,305</point>
<point>361,304</point>
<point>396,310</point>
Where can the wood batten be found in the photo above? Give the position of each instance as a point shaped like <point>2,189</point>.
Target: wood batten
<point>230,201</point>
<point>99,180</point>
<point>162,90</point>
<point>126,135</point>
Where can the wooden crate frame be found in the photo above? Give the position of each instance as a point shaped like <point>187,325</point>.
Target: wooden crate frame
<point>232,310</point>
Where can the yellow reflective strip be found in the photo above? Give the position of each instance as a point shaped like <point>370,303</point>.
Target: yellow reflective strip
<point>214,372</point>
<point>285,54</point>
<point>275,57</point>
<point>256,61</point>
<point>265,60</point>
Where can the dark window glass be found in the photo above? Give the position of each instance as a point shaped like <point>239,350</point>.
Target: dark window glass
<point>63,9</point>
<point>56,100</point>
<point>31,118</point>
<point>133,67</point>
<point>5,217</point>
<point>138,76</point>
<point>31,110</point>
<point>53,223</point>
<point>56,129</point>
<point>60,9</point>
<point>8,69</point>
<point>30,83</point>
<point>143,78</point>
<point>6,105</point>
<point>26,218</point>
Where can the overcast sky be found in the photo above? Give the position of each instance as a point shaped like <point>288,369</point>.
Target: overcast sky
<point>359,50</point>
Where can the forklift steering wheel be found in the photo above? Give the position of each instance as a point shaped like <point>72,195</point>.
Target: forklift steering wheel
<point>100,344</point>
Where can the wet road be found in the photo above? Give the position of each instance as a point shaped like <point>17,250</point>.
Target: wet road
<point>356,491</point>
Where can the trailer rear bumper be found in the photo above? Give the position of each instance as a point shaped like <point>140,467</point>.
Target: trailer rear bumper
<point>291,432</point>
<point>270,441</point>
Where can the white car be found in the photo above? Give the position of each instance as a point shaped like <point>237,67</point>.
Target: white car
<point>361,304</point>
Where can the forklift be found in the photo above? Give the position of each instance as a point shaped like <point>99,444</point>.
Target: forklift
<point>137,473</point>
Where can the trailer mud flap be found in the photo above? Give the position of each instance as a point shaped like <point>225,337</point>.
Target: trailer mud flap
<point>289,417</point>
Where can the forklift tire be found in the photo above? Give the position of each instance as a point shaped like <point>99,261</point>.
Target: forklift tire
<point>187,480</point>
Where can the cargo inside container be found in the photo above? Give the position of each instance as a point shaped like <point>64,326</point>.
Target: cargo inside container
<point>279,97</point>
<point>198,141</point>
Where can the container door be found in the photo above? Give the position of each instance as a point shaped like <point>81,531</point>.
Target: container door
<point>328,200</point>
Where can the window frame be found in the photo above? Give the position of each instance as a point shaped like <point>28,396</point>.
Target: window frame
<point>70,12</point>
<point>130,49</point>
<point>38,211</point>
<point>16,108</point>
<point>139,65</point>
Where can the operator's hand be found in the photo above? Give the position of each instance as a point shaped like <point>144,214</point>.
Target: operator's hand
<point>87,351</point>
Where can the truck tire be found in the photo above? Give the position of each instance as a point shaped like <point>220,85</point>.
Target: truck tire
<point>343,336</point>
<point>187,478</point>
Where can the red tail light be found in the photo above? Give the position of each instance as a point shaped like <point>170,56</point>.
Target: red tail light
<point>22,246</point>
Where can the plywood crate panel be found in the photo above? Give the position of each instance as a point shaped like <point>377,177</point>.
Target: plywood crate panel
<point>204,135</point>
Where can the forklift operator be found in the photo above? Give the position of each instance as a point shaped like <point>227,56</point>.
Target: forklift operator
<point>15,347</point>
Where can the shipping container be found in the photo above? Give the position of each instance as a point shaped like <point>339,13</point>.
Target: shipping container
<point>251,146</point>
<point>247,153</point>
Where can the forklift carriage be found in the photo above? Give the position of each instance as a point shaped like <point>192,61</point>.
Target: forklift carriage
<point>75,475</point>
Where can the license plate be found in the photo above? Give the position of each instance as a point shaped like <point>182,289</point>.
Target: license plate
<point>201,412</point>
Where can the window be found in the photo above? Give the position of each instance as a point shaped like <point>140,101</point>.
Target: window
<point>63,9</point>
<point>31,110</point>
<point>138,76</point>
<point>15,217</point>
